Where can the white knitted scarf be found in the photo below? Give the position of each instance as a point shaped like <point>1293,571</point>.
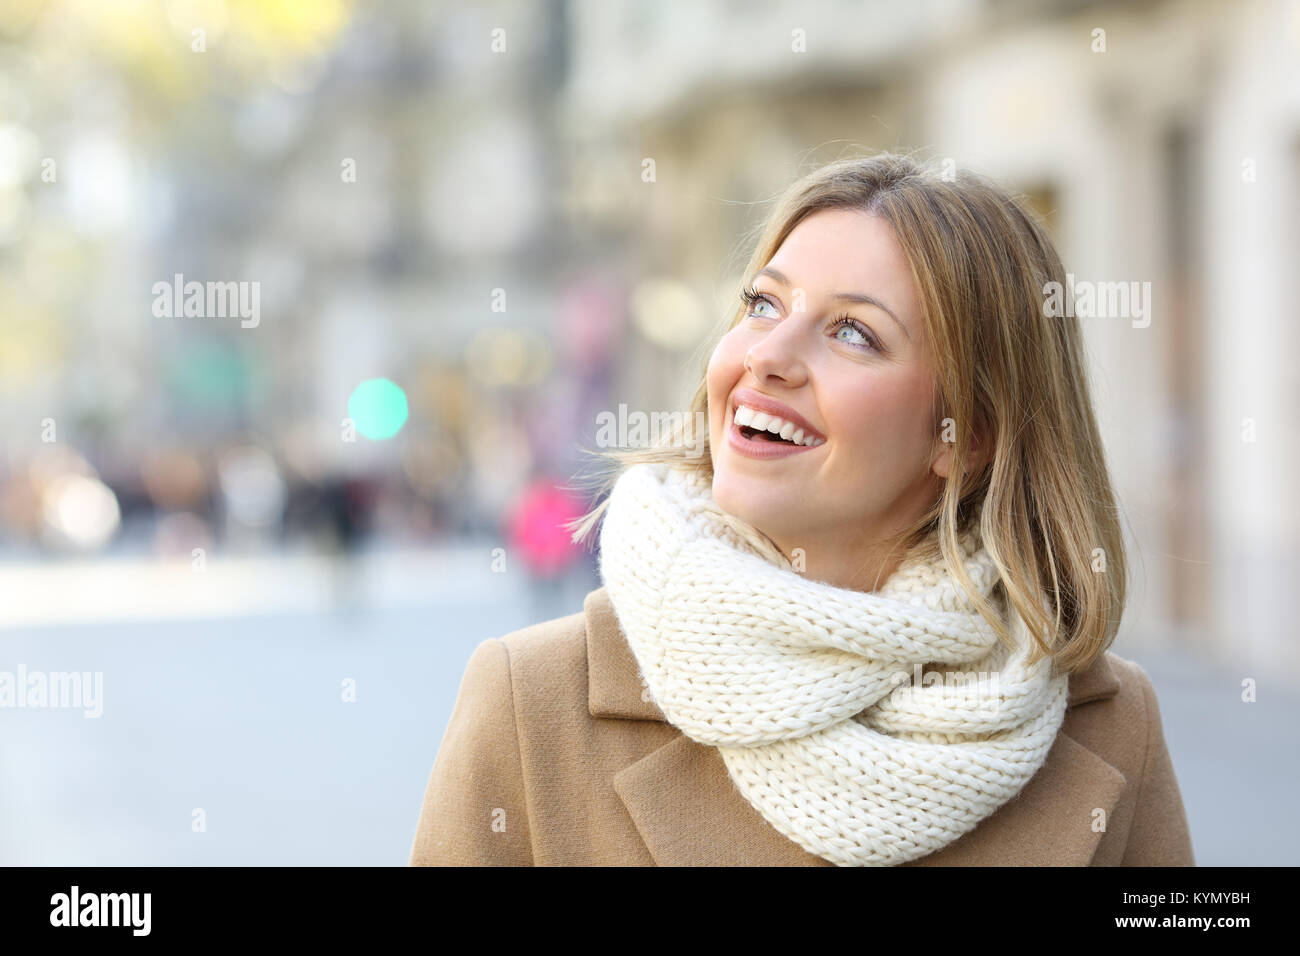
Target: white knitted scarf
<point>810,692</point>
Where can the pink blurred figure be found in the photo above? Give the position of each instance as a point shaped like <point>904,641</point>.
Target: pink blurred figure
<point>535,528</point>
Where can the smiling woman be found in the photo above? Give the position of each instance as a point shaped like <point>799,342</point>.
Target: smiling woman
<point>904,477</point>
<point>898,314</point>
<point>861,374</point>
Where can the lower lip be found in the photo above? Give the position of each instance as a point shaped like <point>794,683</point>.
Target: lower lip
<point>761,448</point>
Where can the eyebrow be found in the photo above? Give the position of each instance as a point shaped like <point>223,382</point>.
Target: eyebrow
<point>859,297</point>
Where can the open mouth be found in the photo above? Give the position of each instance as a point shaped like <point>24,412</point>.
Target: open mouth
<point>752,425</point>
<point>755,434</point>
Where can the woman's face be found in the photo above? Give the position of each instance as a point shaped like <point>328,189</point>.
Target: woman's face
<point>865,385</point>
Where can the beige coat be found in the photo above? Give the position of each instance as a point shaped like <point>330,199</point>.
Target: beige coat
<point>553,757</point>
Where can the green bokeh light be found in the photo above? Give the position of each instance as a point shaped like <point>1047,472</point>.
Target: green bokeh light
<point>378,408</point>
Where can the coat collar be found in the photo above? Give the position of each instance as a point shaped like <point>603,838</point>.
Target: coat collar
<point>681,797</point>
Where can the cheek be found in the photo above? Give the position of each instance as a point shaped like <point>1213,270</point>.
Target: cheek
<point>886,425</point>
<point>726,365</point>
<point>728,356</point>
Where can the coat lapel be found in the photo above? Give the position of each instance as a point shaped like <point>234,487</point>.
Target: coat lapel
<point>689,812</point>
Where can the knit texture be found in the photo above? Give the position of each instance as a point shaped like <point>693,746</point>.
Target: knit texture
<point>810,693</point>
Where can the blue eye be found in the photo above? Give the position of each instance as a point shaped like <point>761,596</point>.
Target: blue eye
<point>848,322</point>
<point>753,299</point>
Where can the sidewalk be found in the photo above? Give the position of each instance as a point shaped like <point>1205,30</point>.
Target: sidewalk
<point>103,591</point>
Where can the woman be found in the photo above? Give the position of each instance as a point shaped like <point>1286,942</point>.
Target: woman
<point>870,626</point>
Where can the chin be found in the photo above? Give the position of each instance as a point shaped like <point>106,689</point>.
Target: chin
<point>740,497</point>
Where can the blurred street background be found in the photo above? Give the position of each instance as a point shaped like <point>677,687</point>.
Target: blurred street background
<point>278,516</point>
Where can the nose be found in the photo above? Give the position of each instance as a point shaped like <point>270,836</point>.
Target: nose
<point>779,355</point>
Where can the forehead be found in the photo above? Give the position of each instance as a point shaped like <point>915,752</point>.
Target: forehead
<point>847,250</point>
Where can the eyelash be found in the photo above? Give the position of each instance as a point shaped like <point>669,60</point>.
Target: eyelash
<point>751,297</point>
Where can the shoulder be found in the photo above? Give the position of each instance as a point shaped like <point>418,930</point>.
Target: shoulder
<point>1114,712</point>
<point>1136,694</point>
<point>548,651</point>
<point>541,664</point>
<point>1112,679</point>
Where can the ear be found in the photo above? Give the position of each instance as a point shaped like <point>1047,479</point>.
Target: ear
<point>976,458</point>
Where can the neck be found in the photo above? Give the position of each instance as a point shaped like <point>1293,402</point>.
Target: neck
<point>844,564</point>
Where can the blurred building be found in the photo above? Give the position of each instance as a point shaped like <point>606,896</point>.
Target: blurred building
<point>527,213</point>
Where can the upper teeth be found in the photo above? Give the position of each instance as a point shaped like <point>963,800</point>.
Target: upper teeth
<point>777,426</point>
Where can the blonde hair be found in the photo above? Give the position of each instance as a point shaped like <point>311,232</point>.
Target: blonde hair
<point>1042,500</point>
